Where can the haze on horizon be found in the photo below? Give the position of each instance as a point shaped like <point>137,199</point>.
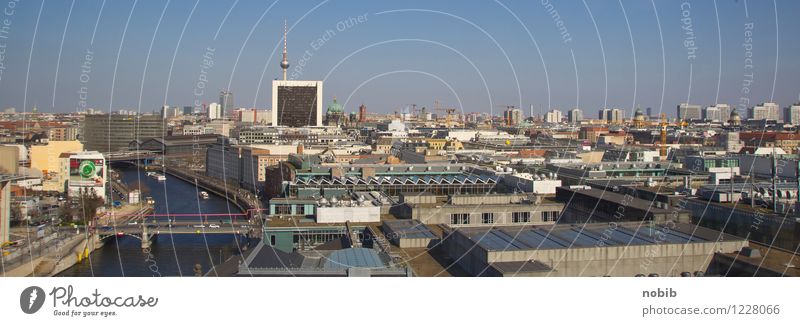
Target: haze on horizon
<point>475,56</point>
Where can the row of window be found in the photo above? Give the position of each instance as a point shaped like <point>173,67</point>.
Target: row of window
<point>516,217</point>
<point>287,210</point>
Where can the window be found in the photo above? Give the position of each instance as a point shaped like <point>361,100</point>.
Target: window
<point>487,218</point>
<point>462,218</point>
<point>549,216</point>
<point>283,209</point>
<point>521,217</point>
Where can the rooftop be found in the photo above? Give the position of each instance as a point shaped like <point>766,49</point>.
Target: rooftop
<point>589,235</point>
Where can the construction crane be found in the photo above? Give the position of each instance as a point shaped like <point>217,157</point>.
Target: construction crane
<point>447,112</point>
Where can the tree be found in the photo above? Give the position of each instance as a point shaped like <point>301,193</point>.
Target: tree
<point>88,203</point>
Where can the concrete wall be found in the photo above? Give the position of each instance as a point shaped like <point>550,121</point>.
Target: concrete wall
<point>5,210</point>
<point>9,160</point>
<point>502,213</point>
<point>353,214</point>
<point>663,259</point>
<point>761,227</point>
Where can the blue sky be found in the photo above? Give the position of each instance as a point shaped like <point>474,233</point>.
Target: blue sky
<point>472,55</point>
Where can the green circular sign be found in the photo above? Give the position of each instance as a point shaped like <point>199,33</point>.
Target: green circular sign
<point>87,169</point>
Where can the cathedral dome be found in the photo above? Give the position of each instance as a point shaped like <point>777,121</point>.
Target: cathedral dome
<point>334,107</point>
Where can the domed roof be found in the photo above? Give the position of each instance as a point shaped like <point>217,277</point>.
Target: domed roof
<point>735,118</point>
<point>334,107</point>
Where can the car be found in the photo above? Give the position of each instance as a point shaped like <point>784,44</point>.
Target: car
<point>133,223</point>
<point>214,226</point>
<point>200,226</point>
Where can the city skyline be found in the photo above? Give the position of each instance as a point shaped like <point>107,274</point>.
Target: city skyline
<point>476,58</point>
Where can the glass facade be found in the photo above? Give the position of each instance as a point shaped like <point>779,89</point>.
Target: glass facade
<point>297,106</point>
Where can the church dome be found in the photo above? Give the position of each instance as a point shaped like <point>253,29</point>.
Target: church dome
<point>735,118</point>
<point>334,107</point>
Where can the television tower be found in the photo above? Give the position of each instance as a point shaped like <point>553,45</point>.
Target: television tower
<point>285,61</point>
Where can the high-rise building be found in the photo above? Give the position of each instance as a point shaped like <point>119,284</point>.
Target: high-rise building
<point>712,114</point>
<point>214,111</point>
<point>554,116</point>
<point>295,103</point>
<point>612,115</point>
<point>512,116</point>
<point>167,112</point>
<point>575,115</point>
<point>765,111</point>
<point>226,103</point>
<point>689,112</point>
<point>602,114</point>
<point>791,114</point>
<point>717,113</point>
<point>115,132</point>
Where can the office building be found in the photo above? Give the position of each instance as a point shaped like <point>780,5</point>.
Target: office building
<point>791,114</point>
<point>226,103</point>
<point>717,113</point>
<point>612,115</point>
<point>469,210</point>
<point>512,116</point>
<point>765,111</point>
<point>575,115</point>
<point>554,116</point>
<point>712,114</point>
<point>114,132</point>
<point>689,112</point>
<point>214,111</point>
<point>167,112</point>
<point>296,103</point>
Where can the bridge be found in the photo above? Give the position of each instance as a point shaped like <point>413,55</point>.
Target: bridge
<point>147,231</point>
<point>144,225</point>
<point>132,155</point>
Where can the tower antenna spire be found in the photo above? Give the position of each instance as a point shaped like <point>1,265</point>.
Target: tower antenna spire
<point>285,61</point>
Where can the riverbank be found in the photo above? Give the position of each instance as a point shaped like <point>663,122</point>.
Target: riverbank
<point>58,258</point>
<point>169,254</point>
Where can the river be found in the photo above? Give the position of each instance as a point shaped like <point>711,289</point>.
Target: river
<point>169,255</point>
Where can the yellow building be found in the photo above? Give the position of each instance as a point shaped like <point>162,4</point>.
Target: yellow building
<point>45,158</point>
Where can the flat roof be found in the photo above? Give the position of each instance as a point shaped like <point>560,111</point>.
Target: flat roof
<point>589,235</point>
<point>407,229</point>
